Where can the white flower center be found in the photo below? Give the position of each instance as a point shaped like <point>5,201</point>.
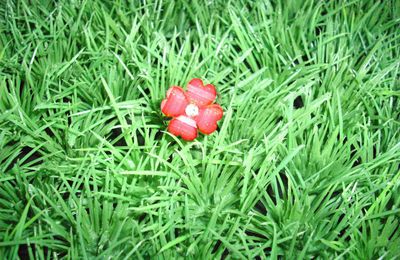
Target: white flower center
<point>192,110</point>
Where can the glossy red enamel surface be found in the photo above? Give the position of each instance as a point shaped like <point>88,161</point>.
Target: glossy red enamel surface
<point>175,103</point>
<point>192,110</point>
<point>208,118</point>
<point>179,128</point>
<point>199,94</point>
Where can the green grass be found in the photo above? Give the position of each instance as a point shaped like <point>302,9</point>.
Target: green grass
<point>305,163</point>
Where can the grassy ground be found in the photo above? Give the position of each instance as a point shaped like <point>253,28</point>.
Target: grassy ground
<point>305,162</point>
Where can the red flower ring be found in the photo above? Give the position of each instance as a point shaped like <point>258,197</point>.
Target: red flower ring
<point>192,109</point>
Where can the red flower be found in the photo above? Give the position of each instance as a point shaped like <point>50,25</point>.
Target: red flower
<point>192,109</point>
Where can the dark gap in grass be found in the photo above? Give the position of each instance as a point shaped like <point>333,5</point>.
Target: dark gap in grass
<point>120,52</point>
<point>341,217</point>
<point>278,119</point>
<point>140,138</point>
<point>260,207</point>
<point>291,82</point>
<point>298,102</point>
<point>78,189</point>
<point>267,251</point>
<point>177,232</point>
<point>21,89</point>
<point>237,48</point>
<point>172,140</point>
<point>68,114</point>
<point>342,233</point>
<point>36,155</point>
<point>395,105</point>
<point>23,251</point>
<point>271,194</point>
<point>390,203</point>
<point>70,183</point>
<point>281,190</point>
<point>319,30</point>
<point>255,234</point>
<point>374,151</point>
<point>324,12</point>
<point>258,62</point>
<point>225,254</point>
<point>61,239</point>
<point>116,137</point>
<point>146,92</point>
<point>8,85</point>
<point>247,6</point>
<point>216,247</point>
<point>66,100</point>
<point>170,159</point>
<point>334,195</point>
<point>247,65</point>
<point>302,59</point>
<point>395,231</point>
<point>65,195</point>
<point>62,254</point>
<point>360,59</point>
<point>141,217</point>
<point>49,132</point>
<point>24,152</point>
<point>158,135</point>
<point>353,152</point>
<point>356,162</point>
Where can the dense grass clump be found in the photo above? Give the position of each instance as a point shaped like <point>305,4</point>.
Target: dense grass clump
<point>305,162</point>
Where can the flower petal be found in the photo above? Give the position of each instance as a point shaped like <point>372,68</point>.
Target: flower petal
<point>208,118</point>
<point>199,94</point>
<point>175,103</point>
<point>183,126</point>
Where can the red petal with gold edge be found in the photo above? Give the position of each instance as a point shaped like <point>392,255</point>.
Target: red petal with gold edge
<point>199,94</point>
<point>184,127</point>
<point>208,118</point>
<point>175,103</point>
